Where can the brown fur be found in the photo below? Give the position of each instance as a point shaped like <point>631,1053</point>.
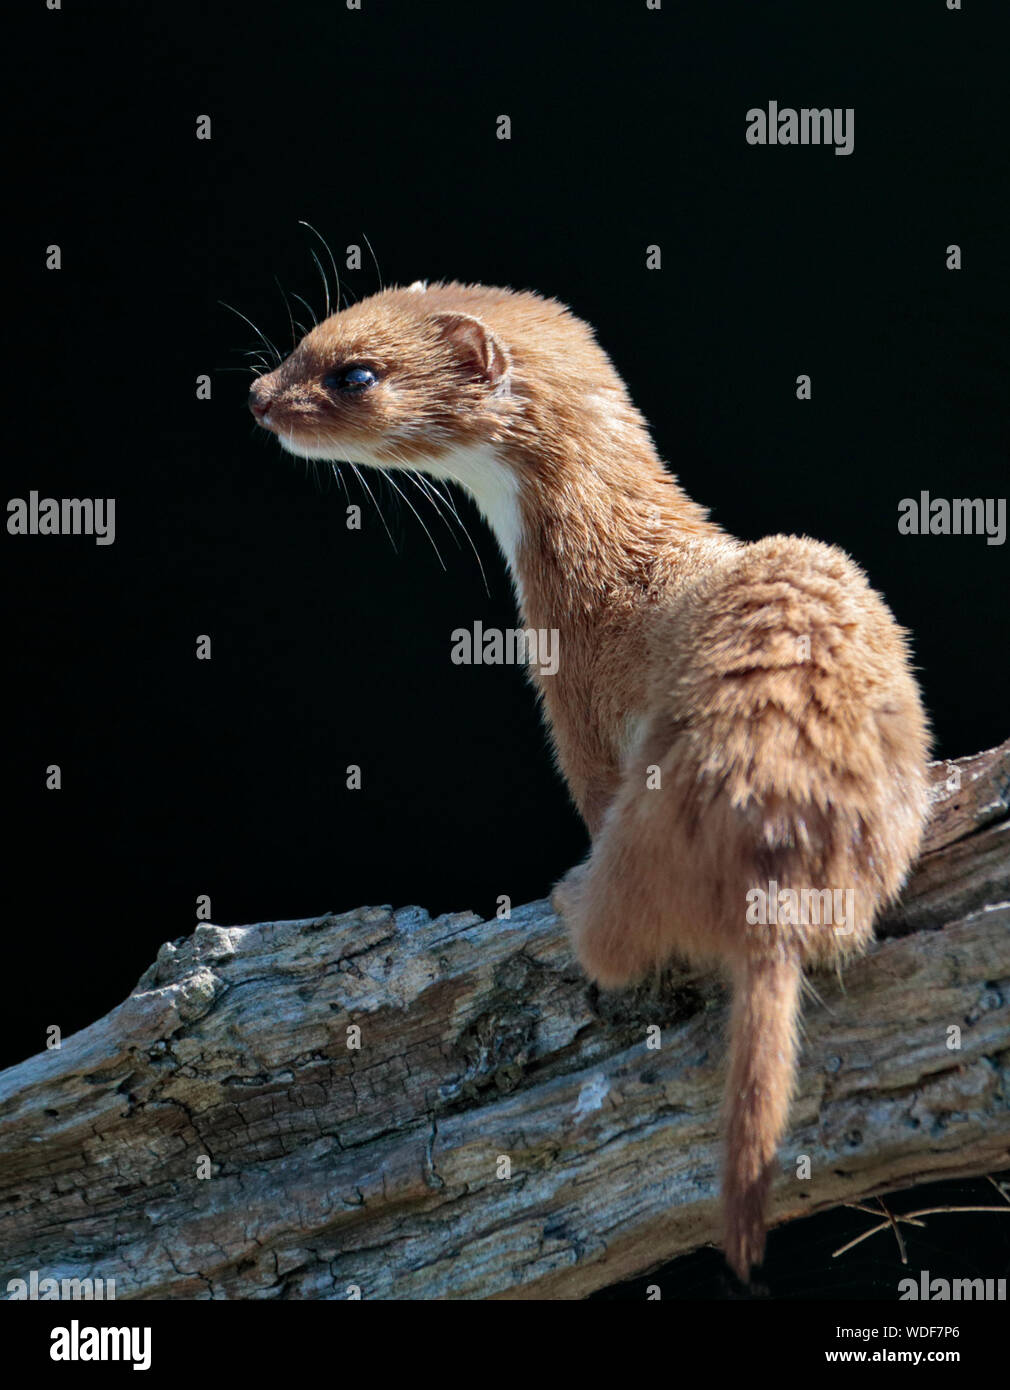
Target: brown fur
<point>767,683</point>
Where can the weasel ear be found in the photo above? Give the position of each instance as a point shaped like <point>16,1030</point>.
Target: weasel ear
<point>474,344</point>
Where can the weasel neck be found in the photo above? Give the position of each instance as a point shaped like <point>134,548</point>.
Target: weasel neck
<point>600,531</point>
<point>604,536</point>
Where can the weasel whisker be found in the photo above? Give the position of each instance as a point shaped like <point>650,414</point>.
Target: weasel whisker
<point>258,331</point>
<point>433,490</point>
<point>312,312</point>
<point>322,276</point>
<point>361,479</point>
<point>418,479</point>
<point>333,261</point>
<point>376,260</point>
<point>287,305</point>
<point>390,479</point>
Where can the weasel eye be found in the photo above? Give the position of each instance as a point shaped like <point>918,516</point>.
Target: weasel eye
<point>350,379</point>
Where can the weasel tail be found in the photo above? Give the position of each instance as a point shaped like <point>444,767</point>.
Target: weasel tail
<point>762,1067</point>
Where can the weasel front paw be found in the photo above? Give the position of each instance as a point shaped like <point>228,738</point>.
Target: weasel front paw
<point>565,896</point>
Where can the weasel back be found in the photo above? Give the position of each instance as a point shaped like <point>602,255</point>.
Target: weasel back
<point>791,747</point>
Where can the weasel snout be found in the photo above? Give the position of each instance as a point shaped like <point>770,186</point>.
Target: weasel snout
<point>260,401</point>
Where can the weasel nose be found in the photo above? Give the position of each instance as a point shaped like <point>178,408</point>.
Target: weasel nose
<point>259,400</point>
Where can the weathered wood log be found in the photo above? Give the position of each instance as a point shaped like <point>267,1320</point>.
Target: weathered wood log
<point>502,1129</point>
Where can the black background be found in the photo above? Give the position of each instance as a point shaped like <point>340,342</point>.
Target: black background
<point>330,647</point>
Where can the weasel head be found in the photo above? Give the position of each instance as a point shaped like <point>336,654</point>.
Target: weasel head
<point>504,392</point>
<point>402,379</point>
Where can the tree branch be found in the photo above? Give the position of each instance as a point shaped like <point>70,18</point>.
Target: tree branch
<point>383,1167</point>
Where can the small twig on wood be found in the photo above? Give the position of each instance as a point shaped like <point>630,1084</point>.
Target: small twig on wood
<point>910,1218</point>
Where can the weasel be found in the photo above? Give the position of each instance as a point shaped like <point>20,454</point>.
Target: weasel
<point>728,716</point>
